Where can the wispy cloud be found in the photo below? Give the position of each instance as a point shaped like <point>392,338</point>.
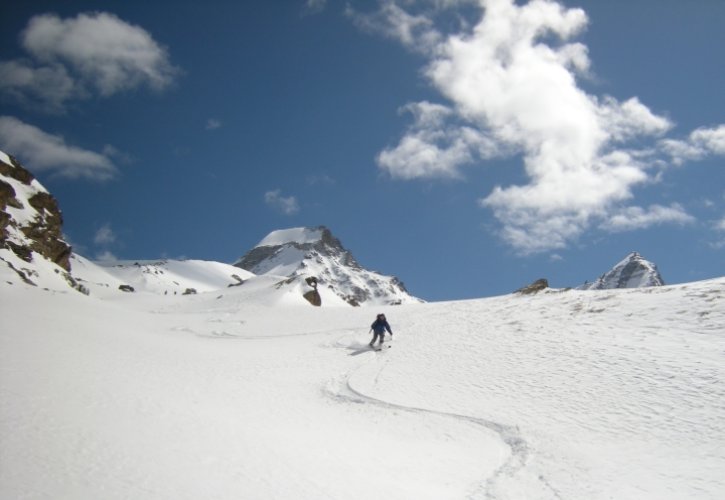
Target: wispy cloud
<point>315,6</point>
<point>511,85</point>
<point>719,228</point>
<point>320,179</point>
<point>77,58</point>
<point>699,144</point>
<point>632,218</point>
<point>213,124</point>
<point>287,205</point>
<point>104,235</point>
<point>41,151</point>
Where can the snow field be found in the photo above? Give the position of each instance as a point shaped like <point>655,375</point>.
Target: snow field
<point>239,394</point>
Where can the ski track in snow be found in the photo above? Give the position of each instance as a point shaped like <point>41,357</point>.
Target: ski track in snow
<point>341,389</point>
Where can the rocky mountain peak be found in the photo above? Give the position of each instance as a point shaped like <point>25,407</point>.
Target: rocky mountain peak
<point>302,252</point>
<point>634,271</point>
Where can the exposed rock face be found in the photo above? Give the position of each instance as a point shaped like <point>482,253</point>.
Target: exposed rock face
<point>534,287</point>
<point>299,253</point>
<point>632,272</point>
<point>30,220</point>
<point>312,296</point>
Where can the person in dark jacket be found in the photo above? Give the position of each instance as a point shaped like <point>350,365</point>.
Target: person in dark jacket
<point>378,327</point>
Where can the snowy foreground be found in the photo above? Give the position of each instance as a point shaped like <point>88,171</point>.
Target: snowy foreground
<point>616,394</point>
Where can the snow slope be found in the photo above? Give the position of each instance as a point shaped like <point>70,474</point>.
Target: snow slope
<point>562,395</point>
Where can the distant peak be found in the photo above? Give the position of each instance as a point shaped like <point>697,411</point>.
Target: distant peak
<point>633,271</point>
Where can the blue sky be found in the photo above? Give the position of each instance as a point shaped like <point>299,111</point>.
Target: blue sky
<point>467,147</point>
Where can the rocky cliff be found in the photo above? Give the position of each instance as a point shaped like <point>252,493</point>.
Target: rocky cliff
<point>31,226</point>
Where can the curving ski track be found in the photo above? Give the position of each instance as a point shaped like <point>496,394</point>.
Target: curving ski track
<point>510,435</point>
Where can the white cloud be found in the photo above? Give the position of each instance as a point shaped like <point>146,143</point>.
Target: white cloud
<point>701,143</point>
<point>41,151</point>
<point>286,205</point>
<point>75,58</point>
<point>711,140</point>
<point>433,147</point>
<point>47,87</point>
<point>104,235</point>
<point>414,31</point>
<point>511,81</point>
<point>632,218</point>
<point>213,124</point>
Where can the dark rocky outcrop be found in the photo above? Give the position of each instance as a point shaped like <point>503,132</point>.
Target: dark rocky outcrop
<point>312,296</point>
<point>535,287</point>
<point>43,234</point>
<point>239,281</point>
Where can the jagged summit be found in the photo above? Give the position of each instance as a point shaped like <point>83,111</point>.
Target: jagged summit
<point>303,252</point>
<point>632,272</point>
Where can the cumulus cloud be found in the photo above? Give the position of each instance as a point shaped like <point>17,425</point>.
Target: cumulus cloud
<point>41,151</point>
<point>75,58</point>
<point>287,205</point>
<point>511,81</point>
<point>435,147</point>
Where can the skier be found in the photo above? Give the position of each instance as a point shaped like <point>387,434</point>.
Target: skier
<point>378,327</point>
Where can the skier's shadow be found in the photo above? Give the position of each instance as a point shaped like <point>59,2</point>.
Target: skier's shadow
<point>361,351</point>
<point>368,349</point>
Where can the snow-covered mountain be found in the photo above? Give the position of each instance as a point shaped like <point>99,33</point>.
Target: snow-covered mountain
<point>303,252</point>
<point>632,272</point>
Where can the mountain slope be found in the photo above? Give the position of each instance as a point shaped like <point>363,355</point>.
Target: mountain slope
<point>631,272</point>
<point>559,395</point>
<point>300,253</point>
